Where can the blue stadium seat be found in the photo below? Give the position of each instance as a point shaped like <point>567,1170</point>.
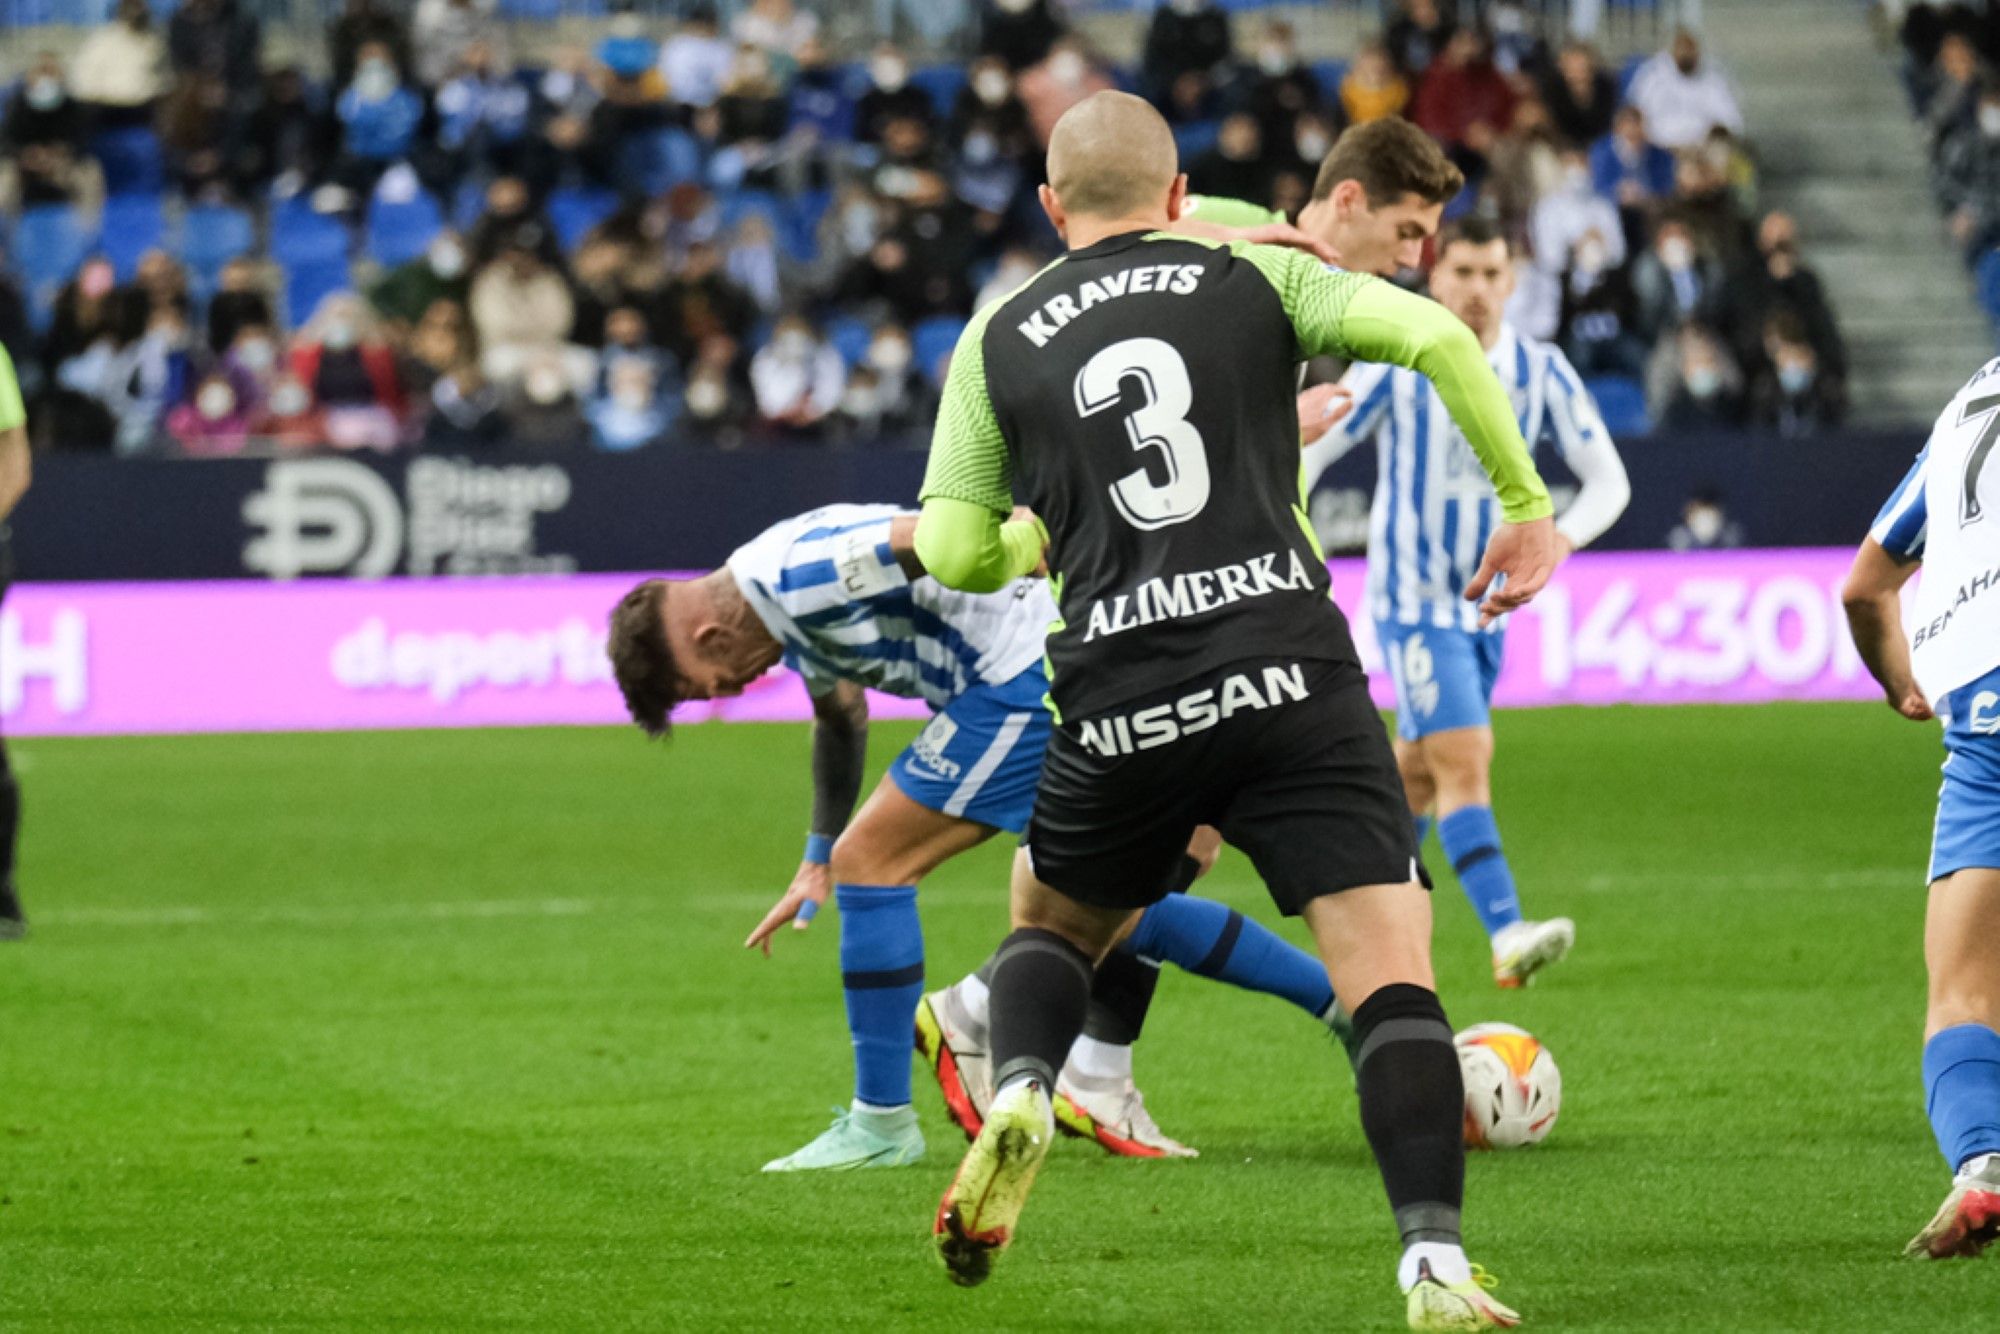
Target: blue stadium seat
<point>1622,401</point>
<point>850,337</point>
<point>50,241</point>
<point>133,161</point>
<point>1196,138</point>
<point>398,231</point>
<point>211,235</point>
<point>133,224</point>
<point>574,212</point>
<point>467,205</point>
<point>934,338</point>
<point>310,282</point>
<point>942,84</point>
<point>1328,74</point>
<point>301,236</point>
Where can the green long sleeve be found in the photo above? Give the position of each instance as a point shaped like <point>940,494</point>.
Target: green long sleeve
<point>1351,315</point>
<point>967,546</point>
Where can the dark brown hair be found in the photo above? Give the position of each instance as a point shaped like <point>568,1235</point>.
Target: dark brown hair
<point>1390,158</point>
<point>641,658</point>
<point>1472,230</point>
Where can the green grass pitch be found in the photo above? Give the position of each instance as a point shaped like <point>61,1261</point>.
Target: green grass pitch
<point>454,1030</point>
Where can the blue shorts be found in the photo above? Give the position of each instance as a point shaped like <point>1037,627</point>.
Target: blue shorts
<point>1968,817</point>
<point>1444,678</point>
<point>980,758</point>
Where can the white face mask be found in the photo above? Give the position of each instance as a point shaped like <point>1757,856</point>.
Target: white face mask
<point>1067,67</point>
<point>375,80</point>
<point>1676,254</point>
<point>793,345</point>
<point>1274,59</point>
<point>558,84</point>
<point>1705,523</point>
<point>447,259</point>
<point>543,385</point>
<point>45,94</point>
<point>1704,382</point>
<point>888,73</point>
<point>1590,256</point>
<point>1313,146</point>
<point>1577,179</point>
<point>891,356</point>
<point>290,399</point>
<point>256,354</point>
<point>215,401</point>
<point>339,336</point>
<point>979,148</point>
<point>1794,378</point>
<point>707,398</point>
<point>991,87</point>
<point>1989,120</point>
<point>632,397</point>
<point>858,401</point>
<point>1188,6</point>
<point>1014,6</point>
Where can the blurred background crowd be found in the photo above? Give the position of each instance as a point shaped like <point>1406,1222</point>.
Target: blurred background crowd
<point>766,224</point>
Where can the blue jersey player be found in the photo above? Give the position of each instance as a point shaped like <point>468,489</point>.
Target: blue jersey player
<point>1946,516</point>
<point>1433,512</point>
<point>840,597</point>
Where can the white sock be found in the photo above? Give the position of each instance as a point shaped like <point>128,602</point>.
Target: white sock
<point>1015,1088</point>
<point>973,996</point>
<point>1448,1263</point>
<point>861,1108</point>
<point>1101,1060</point>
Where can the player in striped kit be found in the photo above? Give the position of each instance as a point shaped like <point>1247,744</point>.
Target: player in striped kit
<point>839,596</point>
<point>1433,513</point>
<point>1946,516</point>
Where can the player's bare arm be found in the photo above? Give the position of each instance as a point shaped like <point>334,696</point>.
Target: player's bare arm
<point>1873,597</point>
<point>16,468</point>
<point>839,755</point>
<point>1321,408</point>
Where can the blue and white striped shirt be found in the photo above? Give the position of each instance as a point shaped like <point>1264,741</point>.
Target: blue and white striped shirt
<point>828,587</point>
<point>1434,508</point>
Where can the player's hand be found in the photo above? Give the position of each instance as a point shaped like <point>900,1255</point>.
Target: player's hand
<point>810,886</point>
<point>1523,555</point>
<point>1023,514</point>
<point>1284,234</point>
<point>1910,702</point>
<point>1321,408</point>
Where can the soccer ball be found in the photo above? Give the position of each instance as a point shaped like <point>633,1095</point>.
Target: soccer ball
<point>1512,1087</point>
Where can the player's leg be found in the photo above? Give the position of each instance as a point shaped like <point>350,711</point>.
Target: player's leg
<point>1042,979</point>
<point>1455,738</point>
<point>1962,1058</point>
<point>891,845</point>
<point>13,922</point>
<point>1325,821</point>
<point>1418,786</point>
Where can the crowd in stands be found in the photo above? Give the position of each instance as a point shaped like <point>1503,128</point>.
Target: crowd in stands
<point>709,232</point>
<point>1952,71</point>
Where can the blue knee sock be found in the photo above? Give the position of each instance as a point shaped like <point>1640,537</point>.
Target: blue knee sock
<point>1212,940</point>
<point>882,971</point>
<point>1962,1091</point>
<point>1423,825</point>
<point>1472,843</point>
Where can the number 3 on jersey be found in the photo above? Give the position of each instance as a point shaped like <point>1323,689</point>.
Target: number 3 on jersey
<point>1158,423</point>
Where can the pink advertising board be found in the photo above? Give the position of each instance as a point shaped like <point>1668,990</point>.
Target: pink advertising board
<point>1735,627</point>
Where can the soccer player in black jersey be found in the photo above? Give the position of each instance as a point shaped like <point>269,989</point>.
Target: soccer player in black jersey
<point>1136,395</point>
<point>15,468</point>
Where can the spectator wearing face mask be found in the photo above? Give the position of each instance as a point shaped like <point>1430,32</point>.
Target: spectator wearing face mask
<point>1059,82</point>
<point>716,408</point>
<point>1526,163</point>
<point>511,221</point>
<point>1186,39</point>
<point>288,145</point>
<point>1969,178</point>
<point>119,71</point>
<point>1675,284</point>
<point>1019,32</point>
<point>696,60</point>
<point>822,109</point>
<point>1784,282</point>
<point>350,371</point>
<point>1418,34</point>
<point>700,307</point>
<point>1569,211</point>
<point>239,302</point>
<point>1791,395</point>
<point>404,293</point>
<point>1950,99</point>
<point>379,117</point>
<point>890,96</point>
<point>988,105</point>
<point>441,340</point>
<point>797,378</point>
<point>1463,100</point>
<point>1695,383</point>
<point>522,310</point>
<point>1236,167</point>
<point>754,263</point>
<point>290,420</point>
<point>1683,95</point>
<point>89,308</point>
<point>1599,319</point>
<point>44,162</point>
<point>1281,88</point>
<point>482,116</point>
<point>1630,169</point>
<point>1705,525</point>
<point>541,407</point>
<point>466,412</point>
<point>252,364</point>
<point>778,28</point>
<point>1581,94</point>
<point>442,31</point>
<point>1372,87</point>
<point>631,412</point>
<point>362,22</point>
<point>215,422</point>
<point>752,117</point>
<point>896,391</point>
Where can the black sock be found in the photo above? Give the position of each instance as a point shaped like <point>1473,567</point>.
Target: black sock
<point>10,815</point>
<point>1120,998</point>
<point>1041,988</point>
<point>1413,1108</point>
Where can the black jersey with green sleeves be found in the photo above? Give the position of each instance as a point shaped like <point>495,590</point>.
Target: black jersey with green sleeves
<point>1144,388</point>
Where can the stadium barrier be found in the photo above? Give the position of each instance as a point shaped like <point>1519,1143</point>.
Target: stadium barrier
<point>92,517</point>
<point>86,658</point>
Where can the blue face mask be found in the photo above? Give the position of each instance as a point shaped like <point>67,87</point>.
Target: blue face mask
<point>1795,379</point>
<point>1704,382</point>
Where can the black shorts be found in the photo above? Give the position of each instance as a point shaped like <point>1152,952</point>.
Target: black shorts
<point>1299,775</point>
